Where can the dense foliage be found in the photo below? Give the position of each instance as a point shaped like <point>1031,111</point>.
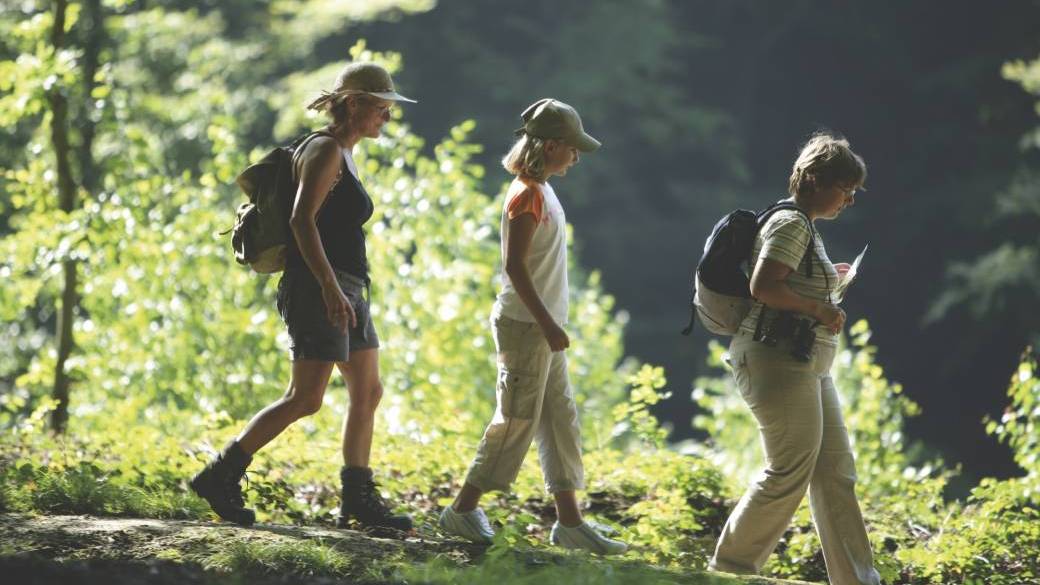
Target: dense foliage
<point>175,345</point>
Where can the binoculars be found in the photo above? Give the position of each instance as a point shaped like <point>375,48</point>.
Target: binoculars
<point>787,325</point>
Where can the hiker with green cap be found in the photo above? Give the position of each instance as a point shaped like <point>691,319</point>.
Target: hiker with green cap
<point>321,298</point>
<point>533,393</point>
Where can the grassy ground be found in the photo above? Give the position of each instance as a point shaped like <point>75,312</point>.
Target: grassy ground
<point>86,549</point>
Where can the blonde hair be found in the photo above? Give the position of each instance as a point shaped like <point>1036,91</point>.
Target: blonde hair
<point>526,157</point>
<point>825,160</point>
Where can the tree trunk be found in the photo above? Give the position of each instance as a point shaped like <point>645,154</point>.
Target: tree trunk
<point>67,201</point>
<point>93,26</point>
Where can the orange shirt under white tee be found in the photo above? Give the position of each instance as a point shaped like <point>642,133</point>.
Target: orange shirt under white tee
<point>547,255</point>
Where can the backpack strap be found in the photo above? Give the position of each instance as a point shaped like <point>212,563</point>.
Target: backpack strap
<point>297,147</point>
<point>693,319</point>
<point>810,248</point>
<point>765,214</point>
<point>300,144</point>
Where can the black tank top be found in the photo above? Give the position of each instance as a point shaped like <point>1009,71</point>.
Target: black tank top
<point>341,221</point>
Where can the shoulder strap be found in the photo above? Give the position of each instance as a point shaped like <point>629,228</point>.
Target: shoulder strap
<point>297,147</point>
<point>301,143</point>
<point>781,205</point>
<point>303,140</point>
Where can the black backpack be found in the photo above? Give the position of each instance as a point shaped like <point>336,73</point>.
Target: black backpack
<point>261,232</point>
<point>721,283</point>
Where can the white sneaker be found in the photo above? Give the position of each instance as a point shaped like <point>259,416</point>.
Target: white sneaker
<point>585,537</point>
<point>472,525</point>
<point>603,529</point>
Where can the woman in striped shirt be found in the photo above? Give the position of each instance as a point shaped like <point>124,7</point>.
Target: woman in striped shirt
<point>793,398</point>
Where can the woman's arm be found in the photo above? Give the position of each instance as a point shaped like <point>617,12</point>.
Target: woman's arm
<point>518,243</point>
<point>319,166</point>
<point>768,285</point>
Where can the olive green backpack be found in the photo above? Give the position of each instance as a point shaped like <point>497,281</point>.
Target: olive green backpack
<point>261,232</point>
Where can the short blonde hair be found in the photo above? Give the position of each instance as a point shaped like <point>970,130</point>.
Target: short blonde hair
<point>826,160</point>
<point>526,157</point>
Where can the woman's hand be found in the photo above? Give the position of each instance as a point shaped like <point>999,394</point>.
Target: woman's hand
<point>337,307</point>
<point>830,316</point>
<point>556,336</point>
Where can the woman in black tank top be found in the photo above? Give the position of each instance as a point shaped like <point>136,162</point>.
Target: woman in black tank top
<point>321,298</point>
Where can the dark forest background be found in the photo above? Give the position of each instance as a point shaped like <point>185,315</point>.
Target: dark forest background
<point>701,107</point>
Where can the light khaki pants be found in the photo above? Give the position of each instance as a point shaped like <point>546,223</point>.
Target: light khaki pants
<point>806,446</point>
<point>534,401</point>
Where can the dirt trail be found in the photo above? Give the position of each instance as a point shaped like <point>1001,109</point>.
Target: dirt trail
<point>72,550</point>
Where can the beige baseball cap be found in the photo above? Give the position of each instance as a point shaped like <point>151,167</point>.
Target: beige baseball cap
<point>361,77</point>
<point>549,118</point>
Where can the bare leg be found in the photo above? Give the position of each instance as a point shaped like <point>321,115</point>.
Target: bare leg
<point>361,374</point>
<point>467,499</point>
<point>302,398</point>
<point>361,499</point>
<point>567,511</point>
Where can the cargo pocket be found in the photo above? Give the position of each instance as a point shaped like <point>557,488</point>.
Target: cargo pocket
<point>517,393</point>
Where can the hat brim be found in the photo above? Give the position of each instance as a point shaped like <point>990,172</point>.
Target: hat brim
<point>392,96</point>
<point>584,142</point>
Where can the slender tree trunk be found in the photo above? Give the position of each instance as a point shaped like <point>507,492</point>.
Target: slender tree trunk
<point>67,202</point>
<point>92,23</point>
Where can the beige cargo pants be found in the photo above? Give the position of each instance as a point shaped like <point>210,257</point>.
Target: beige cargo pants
<point>806,446</point>
<point>534,401</point>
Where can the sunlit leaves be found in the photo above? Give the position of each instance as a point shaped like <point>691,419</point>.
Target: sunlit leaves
<point>302,24</point>
<point>1019,426</point>
<point>39,68</point>
<point>166,313</point>
<point>1027,74</point>
<point>633,416</point>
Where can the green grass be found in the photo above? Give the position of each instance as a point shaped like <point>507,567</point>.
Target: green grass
<point>88,489</point>
<point>301,558</point>
<point>505,566</point>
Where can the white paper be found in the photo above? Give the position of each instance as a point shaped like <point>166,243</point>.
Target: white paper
<point>846,280</point>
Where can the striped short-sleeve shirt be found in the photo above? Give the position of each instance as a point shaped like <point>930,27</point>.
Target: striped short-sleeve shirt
<point>784,238</point>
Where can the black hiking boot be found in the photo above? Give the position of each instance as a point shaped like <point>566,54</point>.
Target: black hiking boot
<point>217,483</point>
<point>362,501</point>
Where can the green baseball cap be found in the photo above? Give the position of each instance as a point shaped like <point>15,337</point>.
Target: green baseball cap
<point>361,77</point>
<point>549,118</point>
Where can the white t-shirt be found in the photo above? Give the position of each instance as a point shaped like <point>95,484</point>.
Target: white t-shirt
<point>547,255</point>
<point>784,238</point>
